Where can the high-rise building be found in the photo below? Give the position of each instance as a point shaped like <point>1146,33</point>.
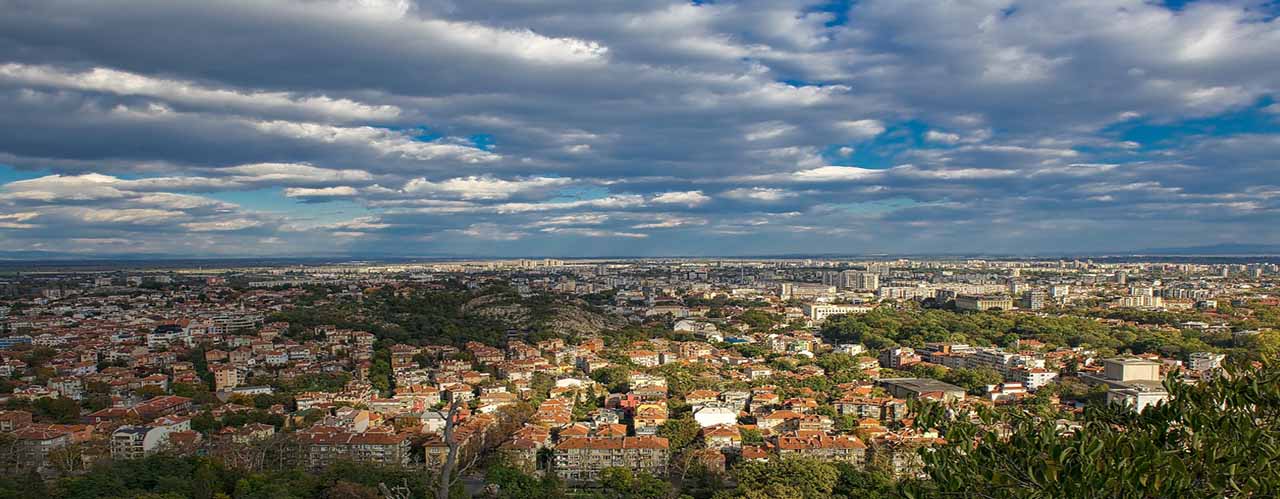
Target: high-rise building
<point>1059,291</point>
<point>1033,299</point>
<point>860,281</point>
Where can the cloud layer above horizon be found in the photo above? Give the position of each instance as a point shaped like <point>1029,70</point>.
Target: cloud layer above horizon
<point>636,127</point>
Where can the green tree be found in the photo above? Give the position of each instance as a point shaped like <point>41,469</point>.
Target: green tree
<point>679,432</point>
<point>347,490</point>
<point>57,410</point>
<point>515,484</point>
<point>380,371</point>
<point>760,320</point>
<point>974,381</point>
<point>204,484</point>
<point>856,482</point>
<point>622,483</point>
<point>791,477</point>
<point>614,378</point>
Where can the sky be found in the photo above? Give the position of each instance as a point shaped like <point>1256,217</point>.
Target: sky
<point>247,128</point>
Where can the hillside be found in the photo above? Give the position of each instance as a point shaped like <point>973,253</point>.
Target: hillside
<point>560,316</point>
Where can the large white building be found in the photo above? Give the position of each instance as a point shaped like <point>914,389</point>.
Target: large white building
<point>1133,383</point>
<point>905,292</point>
<point>1033,378</point>
<point>135,442</point>
<point>803,290</point>
<point>819,312</point>
<point>714,415</point>
<point>1205,361</point>
<point>1059,291</point>
<point>1002,361</point>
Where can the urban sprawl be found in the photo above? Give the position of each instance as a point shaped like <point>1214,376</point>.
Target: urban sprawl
<point>574,370</point>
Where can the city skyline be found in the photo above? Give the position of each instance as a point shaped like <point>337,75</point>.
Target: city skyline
<point>396,128</point>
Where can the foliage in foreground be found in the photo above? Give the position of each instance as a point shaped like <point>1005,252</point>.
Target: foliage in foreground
<point>1218,438</point>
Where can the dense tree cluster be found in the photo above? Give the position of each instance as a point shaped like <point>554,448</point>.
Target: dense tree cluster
<point>802,478</point>
<point>169,477</point>
<point>415,317</point>
<point>913,326</point>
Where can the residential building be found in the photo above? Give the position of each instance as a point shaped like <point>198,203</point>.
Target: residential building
<point>980,303</point>
<point>581,459</point>
<point>818,312</point>
<point>324,446</point>
<point>1132,382</point>
<point>921,388</point>
<point>1205,361</point>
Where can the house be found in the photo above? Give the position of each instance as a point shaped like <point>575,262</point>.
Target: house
<point>648,417</point>
<point>722,437</point>
<point>13,420</point>
<point>777,419</point>
<point>756,372</point>
<point>33,443</point>
<point>646,358</point>
<point>1006,392</point>
<point>884,409</point>
<point>700,397</point>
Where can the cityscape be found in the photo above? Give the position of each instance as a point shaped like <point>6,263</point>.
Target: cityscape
<point>653,377</point>
<point>639,249</point>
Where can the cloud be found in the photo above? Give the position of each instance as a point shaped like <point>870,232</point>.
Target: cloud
<point>739,125</point>
<point>293,174</point>
<point>483,187</point>
<point>670,222</point>
<point>323,192</point>
<point>942,137</point>
<point>861,129</point>
<point>833,173</point>
<point>382,142</point>
<point>53,188</point>
<point>584,219</point>
<point>221,225</point>
<point>491,232</point>
<point>759,194</point>
<point>687,198</point>
<point>191,93</point>
<point>766,131</point>
<point>579,231</point>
